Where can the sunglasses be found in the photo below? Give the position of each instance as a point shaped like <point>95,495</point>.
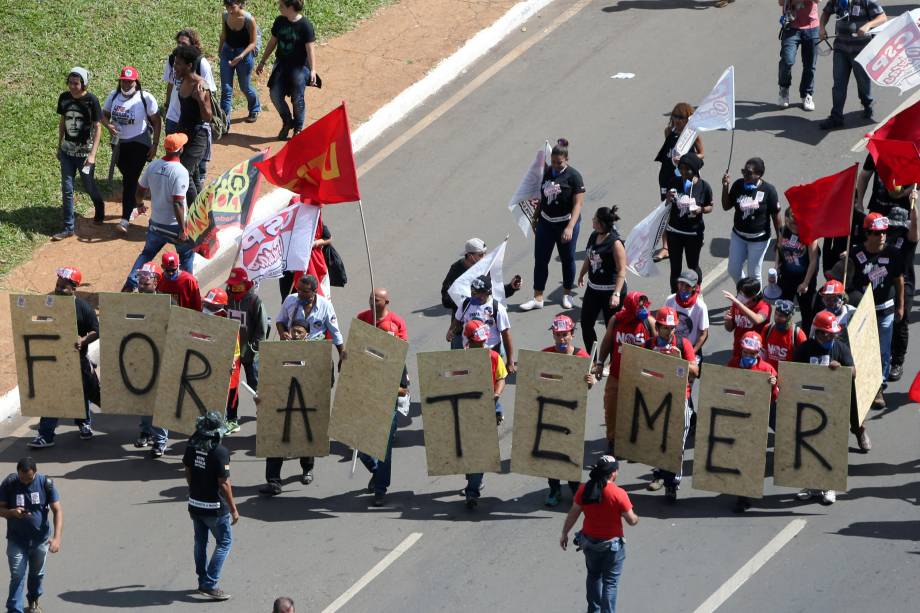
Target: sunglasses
<point>747,172</point>
<point>874,232</point>
<point>673,116</point>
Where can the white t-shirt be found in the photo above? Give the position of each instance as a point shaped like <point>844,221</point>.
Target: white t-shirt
<point>497,322</point>
<point>128,115</point>
<point>690,321</point>
<point>165,180</point>
<point>169,75</point>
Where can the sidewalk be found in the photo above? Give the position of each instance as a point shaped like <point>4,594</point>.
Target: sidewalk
<point>365,67</point>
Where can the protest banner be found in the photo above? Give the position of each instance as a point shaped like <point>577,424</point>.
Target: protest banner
<point>550,407</point>
<point>715,112</point>
<point>731,431</point>
<point>812,426</point>
<point>295,397</point>
<point>526,197</point>
<point>458,412</point>
<point>892,57</point>
<point>365,398</point>
<point>195,376</point>
<point>651,399</point>
<point>47,364</point>
<point>132,340</point>
<point>641,240</point>
<point>283,241</point>
<point>862,332</point>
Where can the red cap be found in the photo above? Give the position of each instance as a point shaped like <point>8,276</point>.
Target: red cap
<point>170,259</point>
<point>476,330</point>
<point>129,73</point>
<point>666,316</point>
<point>216,295</point>
<point>827,322</point>
<point>875,221</point>
<point>751,341</point>
<point>562,323</point>
<point>832,288</point>
<point>238,276</point>
<point>70,273</point>
<point>151,268</point>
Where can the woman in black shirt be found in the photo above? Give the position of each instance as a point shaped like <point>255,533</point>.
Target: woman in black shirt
<point>238,41</point>
<point>755,204</point>
<point>605,266</point>
<point>797,264</point>
<point>690,197</point>
<point>558,221</point>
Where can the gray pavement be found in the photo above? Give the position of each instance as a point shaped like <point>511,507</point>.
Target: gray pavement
<point>128,541</point>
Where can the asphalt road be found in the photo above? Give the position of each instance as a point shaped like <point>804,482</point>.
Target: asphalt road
<point>128,539</point>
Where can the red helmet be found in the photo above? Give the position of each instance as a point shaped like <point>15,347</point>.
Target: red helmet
<point>666,316</point>
<point>827,322</point>
<point>832,288</point>
<point>476,330</point>
<point>70,273</point>
<point>875,221</point>
<point>151,268</point>
<point>216,295</point>
<point>170,259</point>
<point>751,341</point>
<point>562,323</point>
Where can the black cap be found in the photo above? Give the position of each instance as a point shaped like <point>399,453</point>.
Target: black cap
<point>482,283</point>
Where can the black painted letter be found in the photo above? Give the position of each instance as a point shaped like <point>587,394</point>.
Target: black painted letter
<point>185,382</point>
<point>800,435</point>
<point>713,439</point>
<point>455,406</point>
<point>32,359</point>
<point>664,406</point>
<point>541,426</point>
<point>295,389</point>
<point>154,370</point>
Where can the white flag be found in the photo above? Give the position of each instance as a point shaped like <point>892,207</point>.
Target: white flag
<point>640,243</point>
<point>491,264</point>
<point>715,112</point>
<point>525,199</point>
<point>892,57</point>
<point>283,241</point>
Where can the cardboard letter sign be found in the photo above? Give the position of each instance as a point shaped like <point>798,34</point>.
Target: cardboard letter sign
<point>550,406</point>
<point>862,332</point>
<point>458,412</point>
<point>731,431</point>
<point>812,426</point>
<point>365,397</point>
<point>47,364</point>
<point>195,377</point>
<point>132,337</point>
<point>650,414</point>
<point>295,395</point>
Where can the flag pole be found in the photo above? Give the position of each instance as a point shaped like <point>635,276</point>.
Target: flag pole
<point>731,150</point>
<point>370,270</point>
<point>846,258</point>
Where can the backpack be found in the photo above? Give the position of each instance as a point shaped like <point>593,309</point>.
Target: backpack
<point>218,117</point>
<point>49,485</point>
<point>335,266</point>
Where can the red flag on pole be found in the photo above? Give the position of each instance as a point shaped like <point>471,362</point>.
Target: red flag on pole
<point>823,208</point>
<point>895,147</point>
<point>318,163</point>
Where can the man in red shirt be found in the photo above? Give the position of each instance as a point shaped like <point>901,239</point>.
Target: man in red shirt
<point>633,325</point>
<point>668,343</point>
<point>605,505</point>
<point>748,311</point>
<point>782,337</point>
<point>181,285</point>
<point>387,320</point>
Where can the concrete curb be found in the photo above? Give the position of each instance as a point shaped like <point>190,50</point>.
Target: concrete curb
<point>384,118</point>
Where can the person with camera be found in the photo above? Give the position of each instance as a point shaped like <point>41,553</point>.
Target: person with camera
<point>799,29</point>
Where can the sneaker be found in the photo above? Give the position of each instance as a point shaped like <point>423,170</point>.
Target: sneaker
<point>371,484</point>
<point>499,418</point>
<point>808,102</point>
<point>62,235</point>
<point>214,593</point>
<point>307,477</point>
<point>122,227</point>
<point>378,499</point>
<point>39,442</point>
<point>742,504</point>
<point>251,118</point>
<point>231,426</point>
<point>869,113</point>
<point>471,503</point>
<point>806,494</point>
<point>831,123</point>
<point>896,372</point>
<point>655,485</point>
<point>783,100</point>
<point>879,402</point>
<point>532,304</point>
<point>552,499</point>
<point>670,493</point>
<point>142,441</point>
<point>270,489</point>
<point>296,132</point>
<point>158,450</point>
<point>86,432</point>
<point>567,301</point>
<point>33,607</point>
<point>862,439</point>
<point>828,497</point>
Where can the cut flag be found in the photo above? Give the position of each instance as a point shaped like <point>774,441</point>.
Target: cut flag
<point>715,112</point>
<point>823,209</point>
<point>490,265</point>
<point>283,241</point>
<point>892,57</point>
<point>318,164</point>
<point>641,241</point>
<point>895,147</point>
<point>523,203</point>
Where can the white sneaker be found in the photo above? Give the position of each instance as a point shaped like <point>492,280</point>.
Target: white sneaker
<point>607,370</point>
<point>532,304</point>
<point>805,494</point>
<point>808,103</point>
<point>783,100</point>
<point>567,301</point>
<point>828,497</point>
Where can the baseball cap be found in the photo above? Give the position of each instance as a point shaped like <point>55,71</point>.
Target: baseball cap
<point>482,283</point>
<point>129,73</point>
<point>475,245</point>
<point>689,277</point>
<point>70,273</point>
<point>666,316</point>
<point>562,323</point>
<point>170,259</point>
<point>751,341</point>
<point>875,221</point>
<point>81,72</point>
<point>174,142</point>
<point>476,330</point>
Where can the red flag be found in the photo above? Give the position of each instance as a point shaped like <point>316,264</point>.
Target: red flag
<point>903,126</point>
<point>318,163</point>
<point>895,147</point>
<point>914,392</point>
<point>823,208</point>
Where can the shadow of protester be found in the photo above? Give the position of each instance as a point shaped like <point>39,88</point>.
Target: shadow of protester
<point>129,597</point>
<point>435,310</point>
<point>781,123</point>
<point>658,5</point>
<point>35,220</point>
<point>897,530</point>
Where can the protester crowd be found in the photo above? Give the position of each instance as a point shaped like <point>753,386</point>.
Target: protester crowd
<point>798,311</point>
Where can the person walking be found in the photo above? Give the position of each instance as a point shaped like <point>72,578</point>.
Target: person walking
<point>689,198</point>
<point>26,496</point>
<point>781,337</point>
<point>473,251</point>
<point>748,311</point>
<point>210,501</point>
<point>481,306</point>
<point>605,267</point>
<point>79,130</point>
<point>755,204</point>
<point>692,313</point>
<point>605,506</point>
<point>194,117</point>
<point>148,277</point>
<point>238,41</point>
<point>132,118</point>
<point>558,218</point>
<point>245,305</point>
<point>797,265</point>
<point>182,286</point>
<point>799,30</point>
<point>294,39</point>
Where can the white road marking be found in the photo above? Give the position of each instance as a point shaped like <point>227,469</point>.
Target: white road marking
<point>747,571</point>
<point>369,576</point>
<point>714,276</point>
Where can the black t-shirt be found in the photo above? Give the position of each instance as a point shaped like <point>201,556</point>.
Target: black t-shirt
<point>602,267</point>
<point>754,210</point>
<point>793,253</point>
<point>207,469</point>
<point>80,115</point>
<point>897,210</point>
<point>664,157</point>
<point>557,193</point>
<point>878,269</point>
<point>86,320</point>
<point>679,219</point>
<point>856,14</point>
<point>811,352</point>
<point>835,247</point>
<point>293,37</point>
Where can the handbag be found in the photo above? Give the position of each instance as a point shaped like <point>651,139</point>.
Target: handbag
<point>335,266</point>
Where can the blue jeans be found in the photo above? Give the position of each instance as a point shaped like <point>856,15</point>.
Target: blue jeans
<point>152,246</point>
<point>547,236</point>
<point>171,128</point>
<point>47,425</point>
<point>741,251</point>
<point>209,572</point>
<point>159,435</point>
<point>290,81</point>
<point>381,469</point>
<point>23,558</point>
<point>845,63</point>
<point>885,333</point>
<point>243,72</point>
<point>604,561</point>
<point>70,166</point>
<point>474,480</point>
<point>252,372</point>
<point>807,38</point>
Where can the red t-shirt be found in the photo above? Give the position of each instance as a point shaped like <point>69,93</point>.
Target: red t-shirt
<point>184,290</point>
<point>744,324</point>
<point>779,345</point>
<point>387,323</point>
<point>679,347</point>
<point>760,366</point>
<point>602,520</point>
<point>635,332</point>
<point>579,352</point>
